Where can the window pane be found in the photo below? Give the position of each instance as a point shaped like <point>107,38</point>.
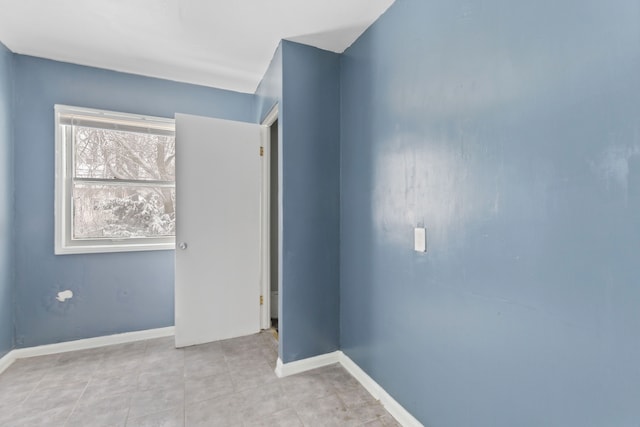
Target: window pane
<point>121,212</point>
<point>109,154</point>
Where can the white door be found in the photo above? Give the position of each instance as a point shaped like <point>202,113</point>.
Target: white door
<point>217,271</point>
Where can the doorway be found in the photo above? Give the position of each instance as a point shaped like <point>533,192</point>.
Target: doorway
<point>271,226</point>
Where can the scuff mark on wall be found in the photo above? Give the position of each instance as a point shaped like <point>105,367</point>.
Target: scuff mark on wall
<point>613,166</point>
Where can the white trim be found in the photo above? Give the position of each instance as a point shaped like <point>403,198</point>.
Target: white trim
<point>7,360</point>
<point>271,116</point>
<point>292,368</point>
<point>265,220</point>
<point>113,247</point>
<point>396,410</point>
<point>84,344</point>
<point>96,342</point>
<point>265,232</point>
<point>63,242</point>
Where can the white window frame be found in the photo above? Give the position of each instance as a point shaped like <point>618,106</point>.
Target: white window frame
<point>64,244</point>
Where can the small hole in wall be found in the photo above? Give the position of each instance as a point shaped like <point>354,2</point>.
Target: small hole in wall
<point>64,295</point>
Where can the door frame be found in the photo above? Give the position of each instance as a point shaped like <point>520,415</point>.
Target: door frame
<point>265,234</point>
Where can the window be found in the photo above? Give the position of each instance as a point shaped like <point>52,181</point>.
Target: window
<point>115,182</point>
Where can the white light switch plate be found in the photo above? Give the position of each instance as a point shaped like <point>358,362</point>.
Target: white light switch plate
<point>420,239</point>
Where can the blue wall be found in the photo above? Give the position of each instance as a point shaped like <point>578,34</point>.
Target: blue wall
<point>310,188</point>
<point>6,203</point>
<point>511,130</point>
<point>116,292</point>
<point>305,81</point>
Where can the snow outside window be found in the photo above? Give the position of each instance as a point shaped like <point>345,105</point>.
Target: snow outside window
<point>115,181</point>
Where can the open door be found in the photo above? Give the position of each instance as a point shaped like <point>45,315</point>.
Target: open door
<point>217,270</point>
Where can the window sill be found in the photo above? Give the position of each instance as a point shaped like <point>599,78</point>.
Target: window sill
<point>93,249</point>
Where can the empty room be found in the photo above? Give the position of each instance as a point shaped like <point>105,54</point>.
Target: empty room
<point>416,213</point>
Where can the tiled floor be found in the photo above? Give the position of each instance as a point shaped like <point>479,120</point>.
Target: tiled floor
<point>150,383</point>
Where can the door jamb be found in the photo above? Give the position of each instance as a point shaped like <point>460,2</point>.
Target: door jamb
<point>265,234</point>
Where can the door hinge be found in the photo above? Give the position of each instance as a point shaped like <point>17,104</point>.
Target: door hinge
<point>261,300</point>
<point>261,151</point>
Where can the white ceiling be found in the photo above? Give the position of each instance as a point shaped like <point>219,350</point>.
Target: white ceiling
<point>226,44</point>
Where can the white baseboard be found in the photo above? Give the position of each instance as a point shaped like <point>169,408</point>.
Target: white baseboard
<point>292,368</point>
<point>6,361</point>
<point>401,415</point>
<point>390,404</point>
<point>88,343</point>
<point>84,344</point>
